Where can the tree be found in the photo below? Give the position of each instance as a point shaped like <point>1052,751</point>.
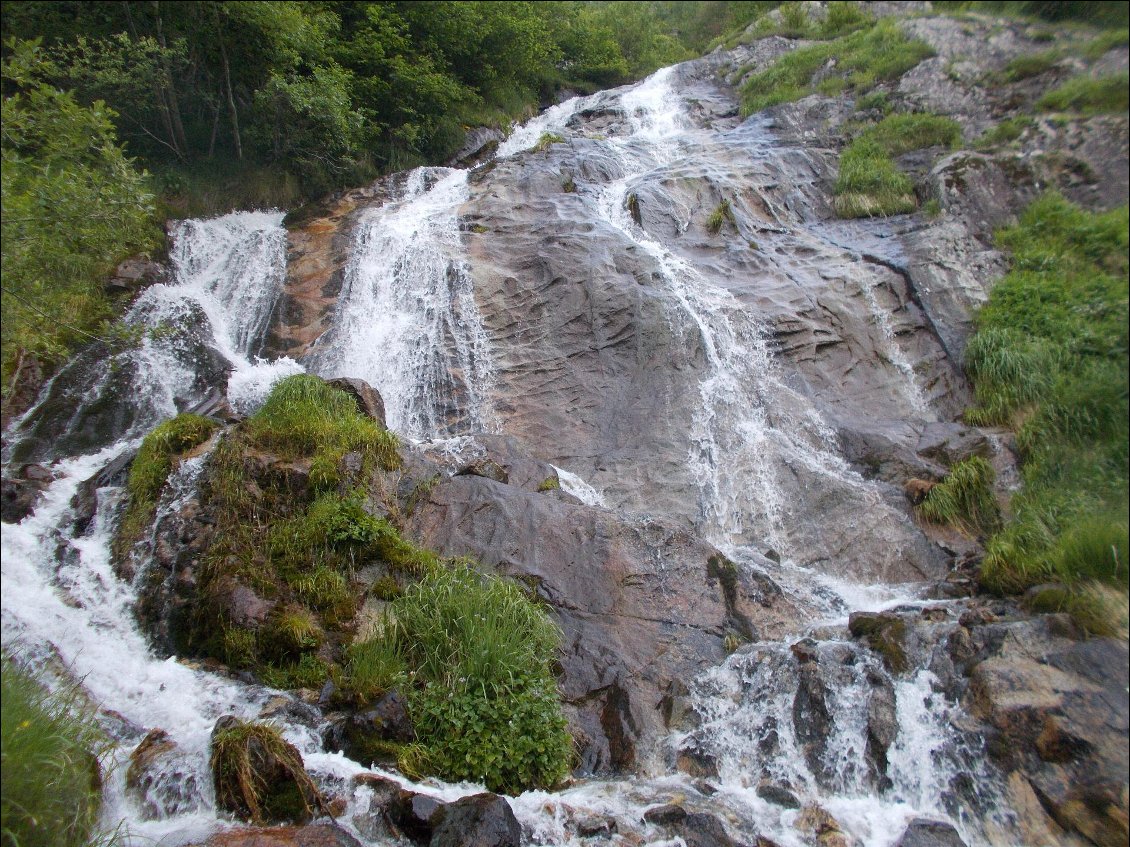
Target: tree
<point>73,205</point>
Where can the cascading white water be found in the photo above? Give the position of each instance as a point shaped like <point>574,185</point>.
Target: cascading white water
<point>407,322</point>
<point>406,319</point>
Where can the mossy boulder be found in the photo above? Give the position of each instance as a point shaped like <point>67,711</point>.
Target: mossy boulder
<point>883,632</point>
<point>258,776</point>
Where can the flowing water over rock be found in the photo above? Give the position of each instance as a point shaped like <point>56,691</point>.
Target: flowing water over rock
<point>572,314</point>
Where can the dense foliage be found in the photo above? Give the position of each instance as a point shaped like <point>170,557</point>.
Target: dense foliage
<point>52,778</point>
<point>73,205</point>
<point>325,94</point>
<point>1050,360</point>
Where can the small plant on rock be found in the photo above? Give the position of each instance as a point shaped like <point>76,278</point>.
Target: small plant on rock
<point>723,213</point>
<point>964,499</point>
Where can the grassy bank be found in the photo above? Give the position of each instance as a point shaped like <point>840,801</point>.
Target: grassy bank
<point>1049,361</point>
<point>854,63</point>
<point>52,778</point>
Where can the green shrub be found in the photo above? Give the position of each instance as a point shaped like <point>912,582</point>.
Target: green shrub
<point>52,777</point>
<point>964,499</point>
<point>306,417</point>
<point>1104,41</point>
<point>863,58</point>
<point>1089,96</point>
<point>1049,360</point>
<point>487,709</point>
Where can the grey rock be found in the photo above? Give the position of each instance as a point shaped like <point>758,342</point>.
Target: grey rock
<point>369,400</point>
<point>923,832</point>
<point>481,820</point>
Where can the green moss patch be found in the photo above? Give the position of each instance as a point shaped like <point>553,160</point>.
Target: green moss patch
<point>150,471</point>
<point>723,213</point>
<point>862,59</point>
<point>547,140</point>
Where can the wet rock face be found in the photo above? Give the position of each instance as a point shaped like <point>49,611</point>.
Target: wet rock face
<point>636,602</point>
<point>314,835</point>
<point>1058,715</point>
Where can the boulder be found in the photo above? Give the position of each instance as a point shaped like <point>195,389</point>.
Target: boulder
<point>778,795</point>
<point>415,814</point>
<point>883,632</point>
<point>924,832</point>
<point>481,820</point>
<point>369,400</point>
<point>258,776</point>
<point>313,835</point>
<point>20,496</point>
<point>161,780</point>
<point>365,735</point>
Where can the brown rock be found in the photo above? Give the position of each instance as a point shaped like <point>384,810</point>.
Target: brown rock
<point>917,489</point>
<point>369,400</point>
<point>314,835</point>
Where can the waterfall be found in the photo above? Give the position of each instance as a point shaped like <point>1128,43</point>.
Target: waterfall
<point>407,322</point>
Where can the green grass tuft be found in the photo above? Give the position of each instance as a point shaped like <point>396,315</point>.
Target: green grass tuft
<point>304,416</point>
<point>863,58</point>
<point>241,755</point>
<point>1027,66</point>
<point>1086,96</point>
<point>550,483</point>
<point>1007,131</point>
<point>723,213</point>
<point>965,499</point>
<point>52,777</point>
<point>374,666</point>
<point>869,183</point>
<point>547,140</point>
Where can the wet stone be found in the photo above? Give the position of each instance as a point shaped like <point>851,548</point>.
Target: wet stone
<point>923,832</point>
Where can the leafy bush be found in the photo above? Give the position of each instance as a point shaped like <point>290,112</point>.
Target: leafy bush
<point>1089,96</point>
<point>964,499</point>
<point>487,709</point>
<point>52,778</point>
<point>73,206</point>
<point>1049,359</point>
<point>863,58</point>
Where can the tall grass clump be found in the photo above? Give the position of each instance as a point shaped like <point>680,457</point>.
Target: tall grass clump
<point>1049,360</point>
<point>792,21</point>
<point>485,703</point>
<point>304,416</point>
<point>869,183</point>
<point>964,499</point>
<point>151,468</point>
<point>52,777</point>
<point>863,59</point>
<point>1086,96</point>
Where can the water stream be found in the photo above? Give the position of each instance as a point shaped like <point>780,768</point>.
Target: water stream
<point>407,322</point>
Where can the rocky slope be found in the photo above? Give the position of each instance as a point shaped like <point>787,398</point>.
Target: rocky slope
<point>743,404</point>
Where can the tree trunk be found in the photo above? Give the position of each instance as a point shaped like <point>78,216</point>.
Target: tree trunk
<point>162,101</point>
<point>170,86</point>
<point>227,85</point>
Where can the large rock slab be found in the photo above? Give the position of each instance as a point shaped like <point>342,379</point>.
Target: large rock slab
<point>640,604</point>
